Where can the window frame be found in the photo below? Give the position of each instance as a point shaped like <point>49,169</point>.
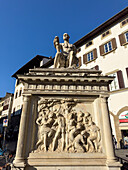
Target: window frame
<point>85,61</point>
<point>126,36</point>
<point>87,45</point>
<point>113,45</point>
<point>108,47</point>
<point>20,92</point>
<point>78,50</point>
<point>16,95</point>
<point>106,33</point>
<point>90,56</point>
<point>122,38</point>
<point>118,78</point>
<point>114,83</point>
<point>125,20</point>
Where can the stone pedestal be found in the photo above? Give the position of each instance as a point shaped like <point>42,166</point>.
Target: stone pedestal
<point>65,123</point>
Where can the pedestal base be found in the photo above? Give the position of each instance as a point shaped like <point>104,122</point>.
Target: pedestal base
<point>69,161</point>
<point>20,165</point>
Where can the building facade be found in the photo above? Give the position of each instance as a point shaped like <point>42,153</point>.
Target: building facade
<point>106,48</point>
<point>5,109</point>
<point>36,62</point>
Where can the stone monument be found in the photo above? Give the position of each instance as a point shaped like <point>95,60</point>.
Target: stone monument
<point>65,120</point>
<point>66,53</point>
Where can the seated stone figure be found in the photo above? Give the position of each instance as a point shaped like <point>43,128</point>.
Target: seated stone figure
<point>66,53</point>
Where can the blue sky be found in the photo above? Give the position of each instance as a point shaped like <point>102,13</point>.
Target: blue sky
<point>28,27</point>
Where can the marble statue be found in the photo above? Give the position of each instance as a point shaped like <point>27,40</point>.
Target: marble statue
<point>66,53</point>
<point>64,129</point>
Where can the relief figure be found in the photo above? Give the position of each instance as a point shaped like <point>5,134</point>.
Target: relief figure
<point>63,128</point>
<point>60,131</point>
<point>44,130</point>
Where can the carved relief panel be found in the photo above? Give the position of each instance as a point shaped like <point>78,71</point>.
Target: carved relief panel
<point>63,128</point>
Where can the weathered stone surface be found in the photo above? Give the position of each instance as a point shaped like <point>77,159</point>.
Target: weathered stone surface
<point>65,121</point>
<point>66,53</point>
<point>64,127</point>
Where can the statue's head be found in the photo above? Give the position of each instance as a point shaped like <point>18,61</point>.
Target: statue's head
<point>65,36</point>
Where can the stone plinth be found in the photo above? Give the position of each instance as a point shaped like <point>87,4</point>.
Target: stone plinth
<point>65,121</point>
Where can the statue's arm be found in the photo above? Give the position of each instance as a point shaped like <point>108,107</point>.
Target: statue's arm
<point>38,120</point>
<point>56,43</point>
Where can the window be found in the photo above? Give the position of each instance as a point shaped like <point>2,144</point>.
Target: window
<point>118,81</point>
<point>91,56</point>
<point>124,22</point>
<point>5,107</point>
<point>88,44</point>
<point>126,36</point>
<point>78,50</point>
<point>108,47</point>
<point>16,95</point>
<point>20,92</point>
<point>114,84</point>
<point>105,34</point>
<point>123,38</point>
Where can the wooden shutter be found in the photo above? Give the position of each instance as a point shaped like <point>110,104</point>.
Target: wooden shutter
<point>102,50</point>
<point>114,46</point>
<point>95,53</point>
<point>120,79</point>
<point>79,61</point>
<point>122,39</point>
<point>85,58</point>
<point>127,71</point>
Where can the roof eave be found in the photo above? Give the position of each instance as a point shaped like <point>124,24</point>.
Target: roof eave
<point>102,27</point>
<point>14,75</point>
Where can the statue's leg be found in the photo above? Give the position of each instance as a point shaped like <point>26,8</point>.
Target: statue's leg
<point>67,139</point>
<point>90,145</point>
<point>40,141</point>
<point>95,144</point>
<point>63,139</point>
<point>45,142</point>
<point>55,139</point>
<point>62,61</point>
<point>73,60</point>
<point>57,60</point>
<point>70,58</point>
